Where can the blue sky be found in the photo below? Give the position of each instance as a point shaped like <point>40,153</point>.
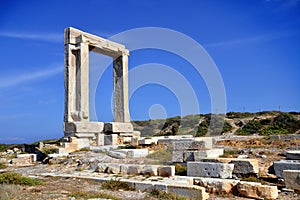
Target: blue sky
<point>255,45</point>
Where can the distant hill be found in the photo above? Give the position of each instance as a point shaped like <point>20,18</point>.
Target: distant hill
<point>240,123</point>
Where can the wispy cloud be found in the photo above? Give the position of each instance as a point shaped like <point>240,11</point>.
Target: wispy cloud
<point>253,39</point>
<point>17,79</point>
<point>48,37</point>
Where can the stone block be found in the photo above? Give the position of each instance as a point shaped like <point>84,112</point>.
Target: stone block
<point>100,139</point>
<point>166,171</point>
<point>200,154</point>
<point>177,156</point>
<point>293,155</point>
<point>281,165</point>
<point>257,191</point>
<point>102,149</point>
<point>118,127</point>
<point>210,153</point>
<point>292,179</point>
<point>83,127</point>
<point>136,134</point>
<point>126,139</point>
<point>191,145</point>
<point>111,139</point>
<point>102,167</point>
<point>130,169</point>
<point>149,170</point>
<point>113,168</point>
<point>137,153</point>
<point>79,142</point>
<point>241,166</point>
<point>134,141</point>
<point>208,141</point>
<point>148,141</point>
<point>188,191</point>
<point>116,154</point>
<point>213,170</point>
<point>149,185</point>
<point>216,185</point>
<point>24,159</point>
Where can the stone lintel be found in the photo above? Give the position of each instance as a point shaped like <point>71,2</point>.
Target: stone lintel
<point>97,44</point>
<point>118,127</point>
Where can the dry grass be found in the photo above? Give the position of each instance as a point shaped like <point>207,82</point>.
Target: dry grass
<point>10,192</point>
<point>92,195</point>
<point>116,184</point>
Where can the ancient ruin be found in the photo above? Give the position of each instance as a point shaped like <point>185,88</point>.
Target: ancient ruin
<point>76,118</point>
<point>183,166</point>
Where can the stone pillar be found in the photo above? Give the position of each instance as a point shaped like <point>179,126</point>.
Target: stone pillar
<point>120,68</point>
<point>82,77</point>
<point>70,82</point>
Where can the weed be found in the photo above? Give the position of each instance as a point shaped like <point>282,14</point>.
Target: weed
<point>47,151</point>
<point>84,149</point>
<point>116,184</point>
<point>2,165</point>
<point>17,179</point>
<point>180,170</point>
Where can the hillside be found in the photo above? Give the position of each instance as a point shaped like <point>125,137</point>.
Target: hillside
<point>263,123</point>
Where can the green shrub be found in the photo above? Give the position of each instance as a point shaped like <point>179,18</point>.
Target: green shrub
<point>251,127</point>
<point>180,170</point>
<point>3,147</point>
<point>273,130</point>
<point>159,194</point>
<point>92,195</point>
<point>47,151</point>
<point>17,179</point>
<point>286,121</point>
<point>232,115</point>
<point>202,129</point>
<point>116,184</point>
<point>216,123</point>
<point>227,127</point>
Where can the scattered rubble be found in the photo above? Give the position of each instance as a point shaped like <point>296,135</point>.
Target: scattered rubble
<point>205,176</point>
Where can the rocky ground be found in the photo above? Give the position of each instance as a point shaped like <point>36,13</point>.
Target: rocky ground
<point>265,150</point>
